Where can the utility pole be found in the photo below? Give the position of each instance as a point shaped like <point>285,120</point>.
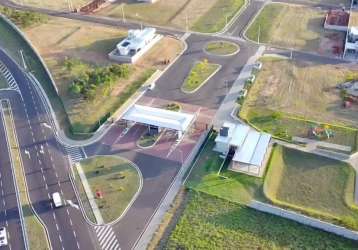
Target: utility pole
<point>258,35</point>
<point>186,22</point>
<point>23,59</point>
<point>123,16</point>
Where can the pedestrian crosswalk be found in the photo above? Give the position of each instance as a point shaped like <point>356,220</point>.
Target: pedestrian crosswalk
<point>106,238</point>
<point>8,76</point>
<point>75,153</point>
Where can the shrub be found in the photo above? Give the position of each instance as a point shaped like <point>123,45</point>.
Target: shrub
<point>23,19</point>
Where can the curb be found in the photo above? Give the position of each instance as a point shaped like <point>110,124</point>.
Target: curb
<point>238,49</point>
<point>28,195</point>
<point>129,204</point>
<point>203,83</point>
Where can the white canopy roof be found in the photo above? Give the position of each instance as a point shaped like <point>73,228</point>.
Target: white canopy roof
<point>159,117</point>
<point>254,148</point>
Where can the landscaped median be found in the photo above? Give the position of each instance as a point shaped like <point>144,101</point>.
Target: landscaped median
<point>35,230</point>
<point>222,48</point>
<point>200,73</point>
<point>114,183</point>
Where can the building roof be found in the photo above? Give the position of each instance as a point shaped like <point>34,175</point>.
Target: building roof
<point>260,150</point>
<point>226,139</point>
<point>159,117</point>
<point>337,17</point>
<point>246,151</point>
<point>239,135</point>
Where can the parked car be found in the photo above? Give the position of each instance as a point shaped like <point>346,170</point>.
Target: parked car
<point>3,236</point>
<point>243,93</point>
<point>258,65</point>
<point>251,79</point>
<point>57,200</point>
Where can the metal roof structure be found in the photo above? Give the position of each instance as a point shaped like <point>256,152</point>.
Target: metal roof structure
<point>245,152</point>
<point>159,117</point>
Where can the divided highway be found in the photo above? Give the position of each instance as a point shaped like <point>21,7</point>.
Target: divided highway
<point>46,166</point>
<point>9,207</point>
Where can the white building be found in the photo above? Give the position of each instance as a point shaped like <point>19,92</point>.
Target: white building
<point>158,119</point>
<point>248,148</point>
<point>352,41</point>
<point>135,45</point>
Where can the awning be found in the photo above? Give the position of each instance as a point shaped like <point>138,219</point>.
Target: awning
<point>159,117</point>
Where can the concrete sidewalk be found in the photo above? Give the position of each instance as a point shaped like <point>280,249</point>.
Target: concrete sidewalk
<point>229,103</point>
<point>89,193</point>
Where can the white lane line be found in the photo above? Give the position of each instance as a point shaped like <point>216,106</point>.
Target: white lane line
<point>57,227</point>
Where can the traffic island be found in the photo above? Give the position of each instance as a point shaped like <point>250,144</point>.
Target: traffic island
<point>107,186</point>
<point>222,48</point>
<point>148,139</point>
<point>200,73</point>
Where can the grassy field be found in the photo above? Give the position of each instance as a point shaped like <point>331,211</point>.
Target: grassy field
<point>290,89</point>
<point>3,82</point>
<point>147,140</point>
<point>198,75</point>
<point>35,231</point>
<point>61,39</point>
<point>318,186</point>
<point>353,20</point>
<point>294,26</point>
<point>235,187</point>
<point>54,5</point>
<point>193,14</point>
<point>177,13</point>
<point>118,181</point>
<point>215,19</point>
<point>212,223</point>
<point>221,48</point>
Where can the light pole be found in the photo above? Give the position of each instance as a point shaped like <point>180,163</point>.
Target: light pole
<point>123,16</point>
<point>23,59</point>
<point>258,35</point>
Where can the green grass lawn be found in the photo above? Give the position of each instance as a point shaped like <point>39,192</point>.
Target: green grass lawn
<point>235,187</point>
<point>293,26</point>
<point>3,82</point>
<point>147,140</point>
<point>318,186</point>
<point>284,102</point>
<point>198,75</point>
<point>173,107</point>
<point>118,181</point>
<point>221,48</point>
<point>212,223</point>
<point>215,19</point>
<point>260,29</point>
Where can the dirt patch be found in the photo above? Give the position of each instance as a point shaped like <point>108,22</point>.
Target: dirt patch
<point>167,49</point>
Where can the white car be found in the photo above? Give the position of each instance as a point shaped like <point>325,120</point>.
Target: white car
<point>258,65</point>
<point>3,236</point>
<point>56,198</point>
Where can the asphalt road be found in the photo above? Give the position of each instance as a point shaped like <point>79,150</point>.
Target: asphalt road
<point>157,175</point>
<point>47,169</point>
<point>214,91</point>
<point>9,215</point>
